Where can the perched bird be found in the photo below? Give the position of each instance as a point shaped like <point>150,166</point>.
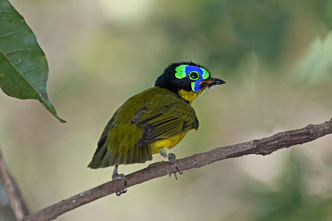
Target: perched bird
<point>155,120</point>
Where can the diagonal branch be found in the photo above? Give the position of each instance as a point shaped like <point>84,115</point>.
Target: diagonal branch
<point>262,146</point>
<point>10,190</point>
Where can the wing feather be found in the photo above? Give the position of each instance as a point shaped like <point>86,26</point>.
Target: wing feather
<point>163,118</point>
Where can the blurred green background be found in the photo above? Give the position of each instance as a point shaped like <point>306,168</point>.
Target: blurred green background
<point>276,57</point>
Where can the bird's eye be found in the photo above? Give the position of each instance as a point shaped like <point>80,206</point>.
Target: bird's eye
<point>193,76</point>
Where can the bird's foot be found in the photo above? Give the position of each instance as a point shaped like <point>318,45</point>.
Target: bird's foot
<point>172,159</point>
<point>117,176</point>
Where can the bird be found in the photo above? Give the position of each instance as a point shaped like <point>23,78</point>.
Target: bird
<point>155,120</point>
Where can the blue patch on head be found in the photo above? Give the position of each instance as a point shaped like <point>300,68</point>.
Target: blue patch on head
<point>196,74</point>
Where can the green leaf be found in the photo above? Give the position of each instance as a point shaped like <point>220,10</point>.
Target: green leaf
<point>23,65</point>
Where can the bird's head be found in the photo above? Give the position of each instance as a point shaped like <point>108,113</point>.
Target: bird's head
<point>187,79</point>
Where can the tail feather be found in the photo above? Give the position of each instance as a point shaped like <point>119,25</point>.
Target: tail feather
<point>106,158</point>
<point>98,157</point>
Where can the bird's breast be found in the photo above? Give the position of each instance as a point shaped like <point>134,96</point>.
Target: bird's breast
<point>157,146</point>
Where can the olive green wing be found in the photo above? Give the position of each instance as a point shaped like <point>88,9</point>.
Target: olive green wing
<point>164,117</point>
<point>117,146</point>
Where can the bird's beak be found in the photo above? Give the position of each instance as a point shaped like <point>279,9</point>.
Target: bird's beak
<point>213,81</point>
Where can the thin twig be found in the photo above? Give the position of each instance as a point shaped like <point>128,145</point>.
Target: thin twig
<point>14,202</point>
<point>260,146</point>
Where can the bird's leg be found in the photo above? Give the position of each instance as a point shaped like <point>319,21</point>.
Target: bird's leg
<point>117,176</point>
<point>172,159</point>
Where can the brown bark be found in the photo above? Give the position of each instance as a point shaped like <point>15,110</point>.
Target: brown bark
<point>13,196</point>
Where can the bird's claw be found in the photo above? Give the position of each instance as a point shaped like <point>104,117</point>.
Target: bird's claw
<point>118,193</point>
<point>120,177</point>
<point>117,176</point>
<point>172,159</point>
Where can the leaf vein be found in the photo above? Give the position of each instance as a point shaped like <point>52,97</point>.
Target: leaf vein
<point>23,49</point>
<point>14,32</point>
<point>31,69</point>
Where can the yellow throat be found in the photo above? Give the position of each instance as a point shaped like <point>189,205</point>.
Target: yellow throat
<point>189,95</point>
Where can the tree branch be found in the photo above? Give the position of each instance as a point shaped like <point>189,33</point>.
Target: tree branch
<point>262,146</point>
<point>10,190</point>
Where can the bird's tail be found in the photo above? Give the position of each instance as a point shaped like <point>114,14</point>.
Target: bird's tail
<point>105,156</point>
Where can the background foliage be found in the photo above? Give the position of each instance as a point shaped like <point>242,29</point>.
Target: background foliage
<point>275,57</point>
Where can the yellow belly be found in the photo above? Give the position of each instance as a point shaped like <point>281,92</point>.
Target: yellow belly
<point>160,145</point>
